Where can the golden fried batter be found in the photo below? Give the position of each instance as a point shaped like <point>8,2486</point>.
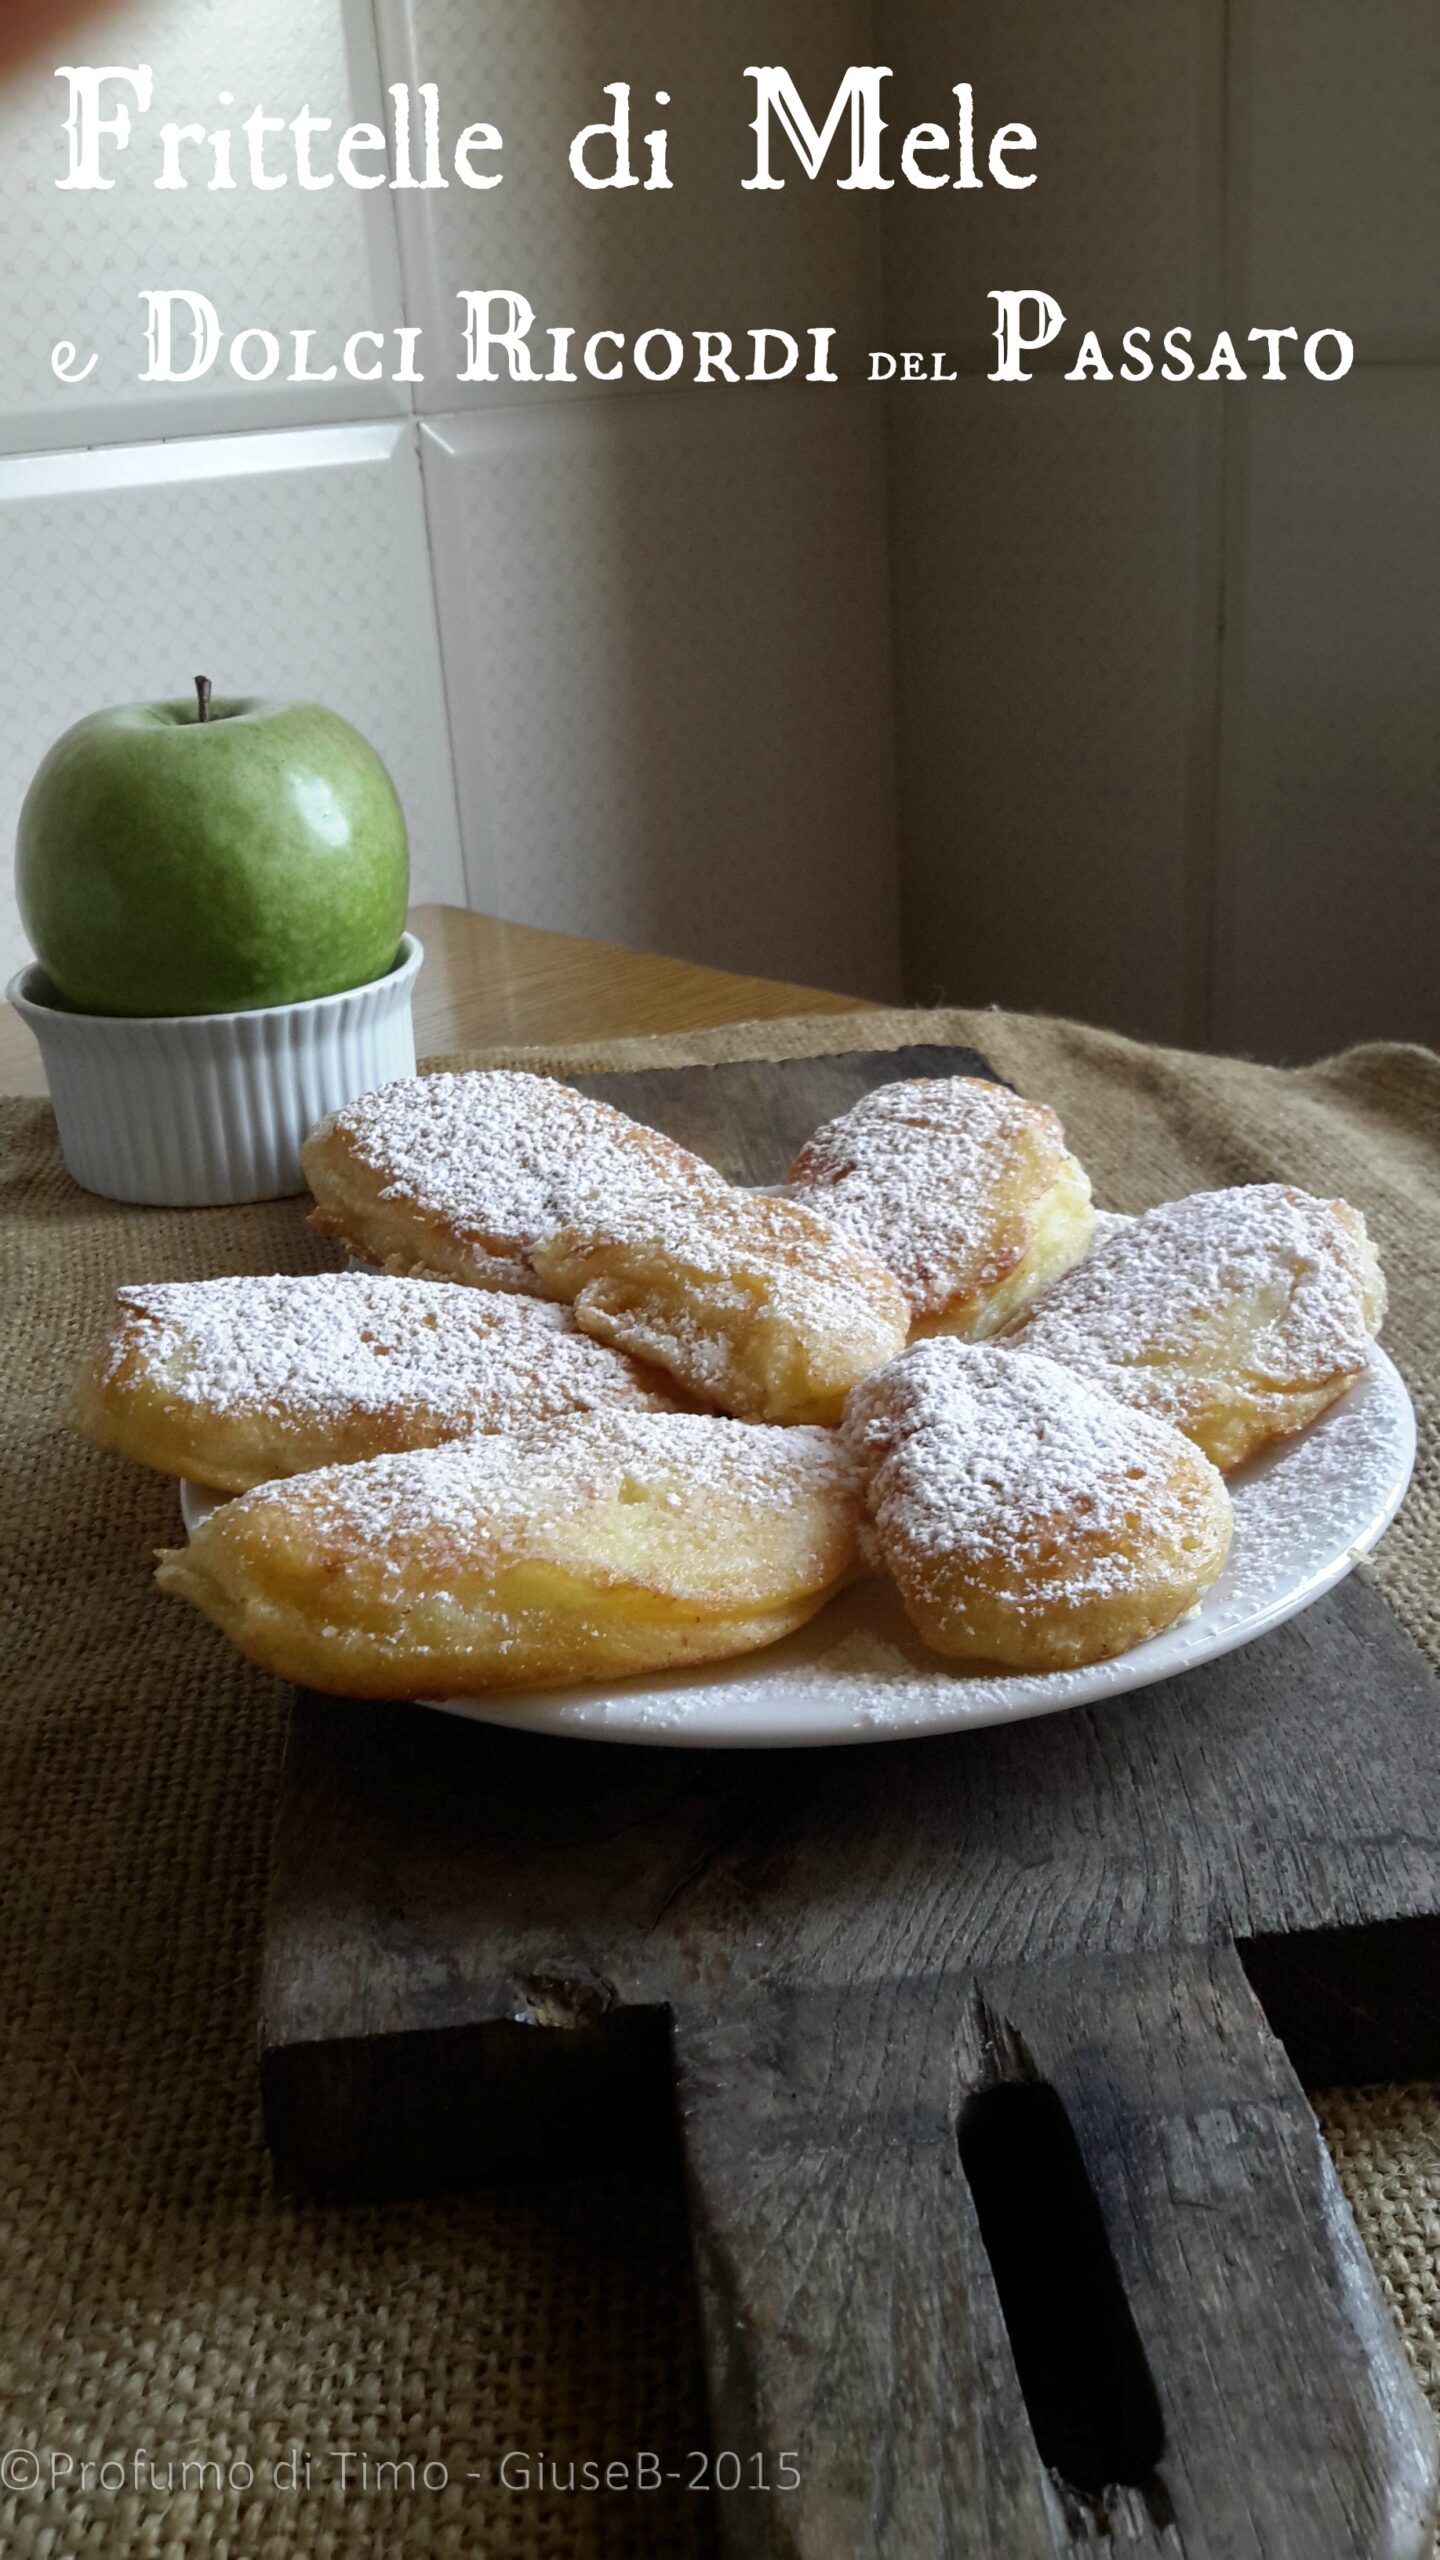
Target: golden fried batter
<point>605,1544</point>
<point>964,1189</point>
<point>1027,1518</point>
<point>457,1175</point>
<point>231,1382</point>
<point>754,1304</point>
<point>1237,1315</point>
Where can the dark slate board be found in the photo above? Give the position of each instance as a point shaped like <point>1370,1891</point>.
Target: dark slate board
<point>1012,2223</point>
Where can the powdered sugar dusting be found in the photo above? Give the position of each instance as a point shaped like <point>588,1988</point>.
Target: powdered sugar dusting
<point>862,1655</point>
<point>322,1348</point>
<point>473,1494</point>
<point>504,1157</point>
<point>1309,1496</point>
<point>915,1171</point>
<point>757,1259</point>
<point>1108,1223</point>
<point>1017,1465</point>
<point>859,1673</point>
<point>1160,1290</point>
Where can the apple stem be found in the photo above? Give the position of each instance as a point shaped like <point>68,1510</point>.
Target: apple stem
<point>202,696</point>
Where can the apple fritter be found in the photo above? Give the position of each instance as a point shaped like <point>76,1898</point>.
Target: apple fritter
<point>964,1189</point>
<point>1237,1315</point>
<point>231,1382</point>
<point>1027,1518</point>
<point>605,1544</point>
<point>752,1303</point>
<point>459,1175</point>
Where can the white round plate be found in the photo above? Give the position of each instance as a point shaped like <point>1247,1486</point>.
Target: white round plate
<point>1304,1512</point>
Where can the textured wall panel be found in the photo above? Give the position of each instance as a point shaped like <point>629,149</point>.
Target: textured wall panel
<point>665,644</point>
<point>1329,917</point>
<point>1054,661</point>
<point>1337,168</point>
<point>1122,224</point>
<point>280,564</point>
<point>708,254</point>
<point>75,261</point>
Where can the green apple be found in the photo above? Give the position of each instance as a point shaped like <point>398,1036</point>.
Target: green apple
<point>199,857</point>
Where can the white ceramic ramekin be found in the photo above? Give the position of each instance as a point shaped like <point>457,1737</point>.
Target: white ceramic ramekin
<point>186,1110</point>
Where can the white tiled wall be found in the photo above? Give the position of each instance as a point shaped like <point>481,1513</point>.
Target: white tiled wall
<point>1336,122</point>
<point>1163,658</point>
<point>664,614</point>
<point>290,564</point>
<point>1125,98</point>
<point>665,630</point>
<point>1053,693</point>
<point>1056,546</point>
<point>706,254</point>
<point>1166,658</point>
<point>662,625</point>
<point>72,262</point>
<point>1329,881</point>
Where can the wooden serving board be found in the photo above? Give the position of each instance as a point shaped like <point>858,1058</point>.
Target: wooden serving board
<point>1012,2224</point>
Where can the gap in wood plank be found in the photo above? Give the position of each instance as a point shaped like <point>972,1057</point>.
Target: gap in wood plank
<point>1354,2004</point>
<point>563,2080</point>
<point>1082,2370</point>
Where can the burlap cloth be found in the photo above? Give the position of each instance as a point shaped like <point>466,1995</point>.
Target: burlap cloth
<point>158,2296</point>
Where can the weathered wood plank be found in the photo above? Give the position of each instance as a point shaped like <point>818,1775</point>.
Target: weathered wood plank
<point>752,1117</point>
<point>1292,2423</point>
<point>422,1861</point>
<point>1207,2365</point>
<point>854,2344</point>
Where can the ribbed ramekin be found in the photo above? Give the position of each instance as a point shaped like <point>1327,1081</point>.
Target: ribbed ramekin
<point>188,1110</point>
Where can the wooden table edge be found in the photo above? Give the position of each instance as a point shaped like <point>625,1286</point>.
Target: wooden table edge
<point>489,984</point>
